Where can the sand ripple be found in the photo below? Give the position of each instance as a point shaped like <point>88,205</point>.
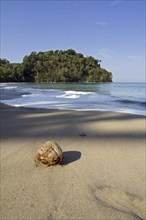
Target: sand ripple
<point>124,202</point>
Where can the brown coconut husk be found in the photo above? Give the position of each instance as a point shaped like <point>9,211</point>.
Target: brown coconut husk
<point>49,153</point>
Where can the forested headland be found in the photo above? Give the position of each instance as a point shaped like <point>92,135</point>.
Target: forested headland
<point>54,66</point>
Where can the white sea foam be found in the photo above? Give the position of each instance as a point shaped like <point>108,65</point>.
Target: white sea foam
<point>72,94</point>
<point>38,96</point>
<point>28,104</point>
<point>32,95</point>
<point>10,87</point>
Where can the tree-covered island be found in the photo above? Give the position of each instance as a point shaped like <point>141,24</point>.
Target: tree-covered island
<point>54,66</point>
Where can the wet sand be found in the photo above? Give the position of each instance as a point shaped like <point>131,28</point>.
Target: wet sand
<point>103,175</point>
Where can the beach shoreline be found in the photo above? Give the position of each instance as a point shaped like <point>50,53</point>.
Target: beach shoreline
<point>103,176</point>
<point>115,97</point>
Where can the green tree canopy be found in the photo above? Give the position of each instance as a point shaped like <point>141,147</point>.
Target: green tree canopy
<point>54,66</point>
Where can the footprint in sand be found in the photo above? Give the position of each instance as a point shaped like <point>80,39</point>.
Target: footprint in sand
<point>125,202</point>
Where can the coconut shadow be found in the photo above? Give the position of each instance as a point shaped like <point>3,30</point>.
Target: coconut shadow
<point>70,157</point>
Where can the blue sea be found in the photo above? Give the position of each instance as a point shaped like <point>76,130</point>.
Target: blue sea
<point>116,97</point>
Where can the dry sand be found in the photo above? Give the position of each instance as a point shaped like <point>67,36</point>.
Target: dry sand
<point>103,176</point>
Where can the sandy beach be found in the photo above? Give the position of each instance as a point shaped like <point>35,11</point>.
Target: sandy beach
<point>103,175</point>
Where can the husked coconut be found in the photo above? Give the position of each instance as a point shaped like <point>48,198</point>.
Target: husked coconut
<point>49,153</point>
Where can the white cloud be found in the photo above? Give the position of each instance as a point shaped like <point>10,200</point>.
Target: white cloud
<point>105,53</point>
<point>135,59</point>
<point>115,2</point>
<point>102,23</point>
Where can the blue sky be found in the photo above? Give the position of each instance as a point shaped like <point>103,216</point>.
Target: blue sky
<point>112,30</point>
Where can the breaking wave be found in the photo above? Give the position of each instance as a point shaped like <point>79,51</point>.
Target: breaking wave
<point>102,97</point>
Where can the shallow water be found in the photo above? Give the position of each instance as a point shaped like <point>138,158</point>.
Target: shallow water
<point>117,97</point>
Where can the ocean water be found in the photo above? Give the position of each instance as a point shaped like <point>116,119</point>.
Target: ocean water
<point>116,97</point>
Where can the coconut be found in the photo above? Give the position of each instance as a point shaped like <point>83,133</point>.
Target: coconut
<point>49,153</point>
